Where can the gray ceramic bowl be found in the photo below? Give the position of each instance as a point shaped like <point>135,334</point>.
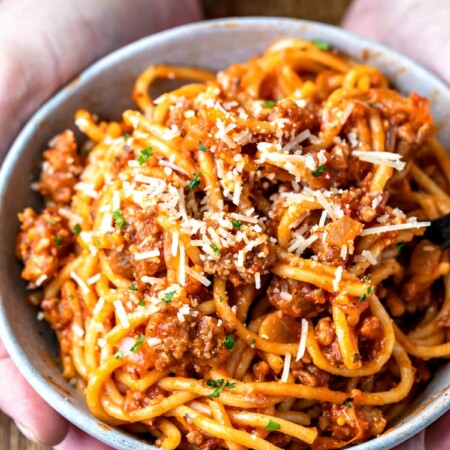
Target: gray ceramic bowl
<point>105,89</point>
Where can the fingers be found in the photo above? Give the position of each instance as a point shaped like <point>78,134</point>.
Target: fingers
<point>57,43</point>
<point>416,28</point>
<point>37,420</point>
<point>77,439</point>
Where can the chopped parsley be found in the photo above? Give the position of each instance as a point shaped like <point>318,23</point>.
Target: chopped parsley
<point>272,426</point>
<point>319,171</point>
<point>145,154</point>
<point>53,221</point>
<point>194,182</point>
<point>118,218</point>
<point>71,297</point>
<point>356,357</point>
<point>400,246</point>
<point>253,341</point>
<point>77,229</point>
<point>368,292</point>
<point>118,354</point>
<point>126,136</point>
<point>269,103</point>
<point>58,240</point>
<point>215,249</point>
<point>347,402</point>
<point>201,147</point>
<point>168,296</point>
<point>132,287</point>
<point>367,278</point>
<point>218,385</point>
<point>236,224</point>
<point>321,44</point>
<point>138,343</point>
<point>229,342</point>
<point>141,302</point>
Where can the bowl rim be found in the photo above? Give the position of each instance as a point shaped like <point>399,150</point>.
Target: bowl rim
<point>424,417</point>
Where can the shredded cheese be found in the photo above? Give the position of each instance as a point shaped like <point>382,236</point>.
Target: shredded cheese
<point>303,338</point>
<point>286,368</point>
<point>199,277</point>
<point>81,284</point>
<point>381,158</point>
<point>401,226</point>
<point>337,278</point>
<point>146,255</point>
<point>182,269</point>
<point>121,314</point>
<point>94,278</point>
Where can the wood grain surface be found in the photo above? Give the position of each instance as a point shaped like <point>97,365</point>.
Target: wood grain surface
<point>329,11</point>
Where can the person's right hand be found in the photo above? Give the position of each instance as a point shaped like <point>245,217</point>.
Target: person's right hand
<point>43,44</point>
<point>417,28</point>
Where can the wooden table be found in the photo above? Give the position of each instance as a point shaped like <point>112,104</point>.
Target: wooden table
<point>329,11</point>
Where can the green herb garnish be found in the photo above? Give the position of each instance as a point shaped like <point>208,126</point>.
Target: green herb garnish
<point>145,154</point>
<point>132,287</point>
<point>141,302</point>
<point>118,218</point>
<point>201,147</point>
<point>77,229</point>
<point>218,385</point>
<point>58,240</point>
<point>347,402</point>
<point>370,290</point>
<point>400,246</point>
<point>236,223</point>
<point>229,342</point>
<point>53,221</point>
<point>272,426</point>
<point>253,341</point>
<point>138,343</point>
<point>168,296</point>
<point>126,136</point>
<point>362,298</point>
<point>321,45</point>
<point>269,103</point>
<point>215,249</point>
<point>118,354</point>
<point>319,171</point>
<point>194,182</point>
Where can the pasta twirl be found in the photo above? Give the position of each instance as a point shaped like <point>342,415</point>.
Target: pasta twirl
<point>239,263</point>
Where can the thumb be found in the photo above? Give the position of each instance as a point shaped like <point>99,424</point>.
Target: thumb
<point>37,420</point>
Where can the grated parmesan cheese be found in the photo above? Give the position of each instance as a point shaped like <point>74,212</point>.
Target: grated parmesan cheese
<point>152,280</point>
<point>146,255</point>
<point>41,279</point>
<point>257,280</point>
<point>303,338</point>
<point>286,368</point>
<point>381,158</point>
<point>182,267</point>
<point>337,279</point>
<point>401,226</point>
<point>121,314</point>
<point>199,277</point>
<point>94,278</point>
<point>69,215</point>
<point>81,284</point>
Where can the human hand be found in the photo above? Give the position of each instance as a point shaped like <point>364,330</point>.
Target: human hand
<point>42,46</point>
<point>416,28</point>
<point>420,30</point>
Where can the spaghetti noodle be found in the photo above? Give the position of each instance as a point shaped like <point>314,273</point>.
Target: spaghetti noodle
<point>239,264</point>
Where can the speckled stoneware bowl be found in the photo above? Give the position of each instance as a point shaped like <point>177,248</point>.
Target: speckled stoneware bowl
<point>105,89</point>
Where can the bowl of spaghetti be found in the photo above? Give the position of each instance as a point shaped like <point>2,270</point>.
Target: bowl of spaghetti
<point>223,239</point>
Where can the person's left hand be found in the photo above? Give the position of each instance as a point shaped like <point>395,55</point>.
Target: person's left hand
<point>43,44</point>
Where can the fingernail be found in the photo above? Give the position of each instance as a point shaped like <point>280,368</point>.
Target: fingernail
<point>27,432</point>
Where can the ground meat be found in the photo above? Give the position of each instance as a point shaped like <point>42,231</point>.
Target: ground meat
<point>371,328</point>
<point>61,169</point>
<point>279,439</point>
<point>310,375</point>
<point>347,421</point>
<point>57,311</point>
<point>140,234</point>
<point>326,336</point>
<point>222,261</point>
<point>306,300</point>
<point>200,440</point>
<point>136,399</point>
<point>43,242</point>
<point>194,343</point>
